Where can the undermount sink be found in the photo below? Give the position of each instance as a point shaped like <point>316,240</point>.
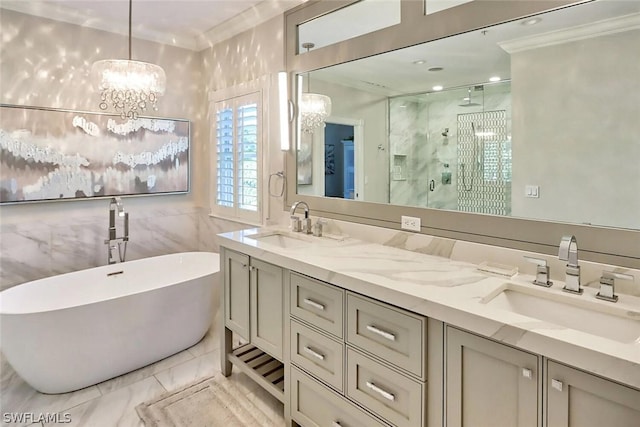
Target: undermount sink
<point>281,238</point>
<point>570,311</point>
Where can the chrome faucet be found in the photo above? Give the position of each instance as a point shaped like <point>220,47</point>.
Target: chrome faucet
<point>117,246</point>
<point>296,224</point>
<point>568,251</point>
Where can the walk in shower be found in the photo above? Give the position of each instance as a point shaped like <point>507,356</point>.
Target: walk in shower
<point>451,149</point>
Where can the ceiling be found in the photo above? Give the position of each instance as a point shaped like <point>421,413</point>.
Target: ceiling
<point>472,58</point>
<point>190,24</point>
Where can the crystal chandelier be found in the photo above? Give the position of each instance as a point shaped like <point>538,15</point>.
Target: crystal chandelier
<point>314,107</point>
<point>127,86</point>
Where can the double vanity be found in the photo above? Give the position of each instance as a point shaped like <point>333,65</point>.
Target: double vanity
<point>347,332</point>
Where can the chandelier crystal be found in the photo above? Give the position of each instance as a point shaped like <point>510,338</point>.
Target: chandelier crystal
<point>128,87</point>
<point>314,107</point>
<point>314,110</point>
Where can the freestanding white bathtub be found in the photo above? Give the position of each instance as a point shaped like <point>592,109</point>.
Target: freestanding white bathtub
<point>77,329</point>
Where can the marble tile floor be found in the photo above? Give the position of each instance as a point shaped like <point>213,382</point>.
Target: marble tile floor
<point>112,403</point>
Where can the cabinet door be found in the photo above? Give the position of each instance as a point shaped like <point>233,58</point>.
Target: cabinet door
<point>236,292</point>
<point>576,398</point>
<point>490,384</point>
<point>267,314</point>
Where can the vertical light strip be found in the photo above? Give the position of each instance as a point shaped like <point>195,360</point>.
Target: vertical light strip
<point>298,98</point>
<point>284,110</point>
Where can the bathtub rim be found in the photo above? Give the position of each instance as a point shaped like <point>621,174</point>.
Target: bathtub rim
<point>9,308</point>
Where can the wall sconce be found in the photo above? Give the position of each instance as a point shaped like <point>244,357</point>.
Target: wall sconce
<point>283,107</point>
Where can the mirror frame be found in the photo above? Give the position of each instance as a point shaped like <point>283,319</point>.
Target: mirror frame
<point>607,245</point>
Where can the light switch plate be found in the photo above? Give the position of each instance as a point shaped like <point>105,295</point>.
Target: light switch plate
<point>532,191</point>
<point>410,223</point>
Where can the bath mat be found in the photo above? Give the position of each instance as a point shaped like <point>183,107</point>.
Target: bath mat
<point>212,402</point>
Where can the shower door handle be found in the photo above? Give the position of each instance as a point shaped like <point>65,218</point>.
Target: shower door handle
<point>432,185</point>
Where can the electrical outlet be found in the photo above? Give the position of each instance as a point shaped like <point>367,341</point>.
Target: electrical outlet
<point>410,223</point>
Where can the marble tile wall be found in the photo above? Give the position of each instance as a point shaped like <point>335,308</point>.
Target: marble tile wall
<point>38,249</point>
<point>417,125</point>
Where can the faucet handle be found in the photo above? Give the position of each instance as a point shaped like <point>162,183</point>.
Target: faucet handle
<point>542,271</point>
<point>607,282</point>
<point>295,223</point>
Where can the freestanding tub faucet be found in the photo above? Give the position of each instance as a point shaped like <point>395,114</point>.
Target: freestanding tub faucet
<point>568,251</point>
<point>117,246</point>
<point>295,221</point>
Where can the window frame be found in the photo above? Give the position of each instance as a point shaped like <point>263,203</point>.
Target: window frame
<point>257,90</point>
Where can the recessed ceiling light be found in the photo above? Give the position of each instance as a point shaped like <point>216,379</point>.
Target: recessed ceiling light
<point>437,88</point>
<point>495,79</point>
<point>435,69</point>
<point>531,21</point>
<point>419,62</point>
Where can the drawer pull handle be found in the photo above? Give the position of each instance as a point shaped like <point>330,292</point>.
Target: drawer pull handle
<point>380,391</point>
<point>313,304</point>
<point>527,373</point>
<point>382,333</point>
<point>336,424</point>
<point>314,353</point>
<point>556,384</point>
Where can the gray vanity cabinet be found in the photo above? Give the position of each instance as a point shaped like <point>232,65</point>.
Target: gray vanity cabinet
<point>267,314</point>
<point>490,384</point>
<point>236,297</point>
<point>253,298</point>
<point>253,304</point>
<point>314,405</point>
<point>576,398</point>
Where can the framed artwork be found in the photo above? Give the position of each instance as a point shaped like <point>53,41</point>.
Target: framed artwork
<point>53,154</point>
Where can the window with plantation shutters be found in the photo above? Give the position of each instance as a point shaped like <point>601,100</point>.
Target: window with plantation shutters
<point>237,158</point>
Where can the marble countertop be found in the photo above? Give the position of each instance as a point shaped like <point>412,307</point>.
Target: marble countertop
<point>452,292</point>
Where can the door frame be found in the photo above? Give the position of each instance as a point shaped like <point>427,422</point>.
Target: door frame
<point>358,150</point>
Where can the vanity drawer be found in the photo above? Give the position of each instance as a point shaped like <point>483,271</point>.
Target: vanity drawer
<point>319,304</point>
<point>313,405</point>
<point>318,354</point>
<point>386,392</point>
<point>394,335</point>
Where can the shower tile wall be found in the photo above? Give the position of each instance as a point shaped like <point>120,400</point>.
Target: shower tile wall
<point>408,184</point>
<point>417,124</point>
<point>484,157</point>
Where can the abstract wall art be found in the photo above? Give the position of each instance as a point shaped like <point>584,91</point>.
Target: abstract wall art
<point>53,154</point>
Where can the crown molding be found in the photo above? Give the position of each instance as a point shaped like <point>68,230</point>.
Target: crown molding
<point>579,32</point>
<point>248,19</point>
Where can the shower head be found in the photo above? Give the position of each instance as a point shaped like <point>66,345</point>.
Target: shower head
<point>468,98</point>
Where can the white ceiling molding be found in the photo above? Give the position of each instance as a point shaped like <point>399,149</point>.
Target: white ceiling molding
<point>580,32</point>
<point>246,20</point>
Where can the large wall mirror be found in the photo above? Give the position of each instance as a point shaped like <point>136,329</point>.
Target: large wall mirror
<point>535,118</point>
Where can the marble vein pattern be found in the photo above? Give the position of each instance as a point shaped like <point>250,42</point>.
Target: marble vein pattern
<point>449,289</point>
<point>41,249</point>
